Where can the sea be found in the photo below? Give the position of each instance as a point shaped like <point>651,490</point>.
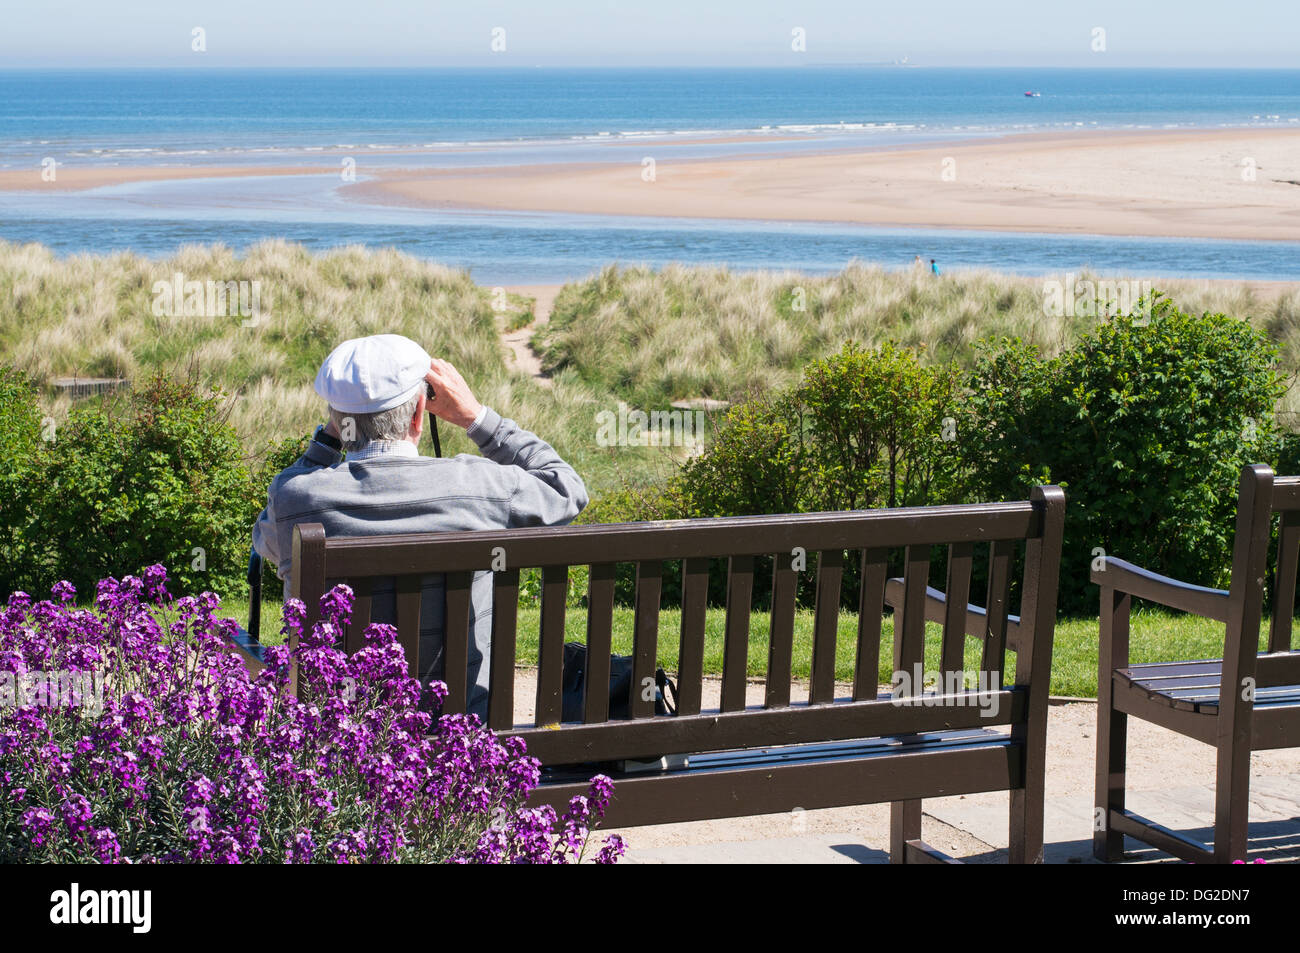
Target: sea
<point>448,118</point>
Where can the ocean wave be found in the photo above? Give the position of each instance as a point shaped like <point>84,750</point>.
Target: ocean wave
<point>18,150</point>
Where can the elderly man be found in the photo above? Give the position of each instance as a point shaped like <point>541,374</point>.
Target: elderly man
<point>376,390</point>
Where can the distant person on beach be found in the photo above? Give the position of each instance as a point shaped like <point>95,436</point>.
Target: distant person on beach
<point>918,262</point>
<point>933,267</point>
<point>378,389</point>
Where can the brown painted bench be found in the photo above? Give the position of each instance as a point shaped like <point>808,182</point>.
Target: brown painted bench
<point>1246,701</point>
<point>870,747</point>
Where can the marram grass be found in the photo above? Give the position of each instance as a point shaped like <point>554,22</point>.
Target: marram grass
<point>681,332</point>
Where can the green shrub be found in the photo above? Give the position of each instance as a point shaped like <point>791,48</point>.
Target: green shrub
<point>863,429</point>
<point>156,477</point>
<point>22,549</point>
<point>1146,422</point>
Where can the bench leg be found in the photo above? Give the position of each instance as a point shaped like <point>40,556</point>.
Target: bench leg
<point>1112,752</point>
<point>904,825</point>
<point>1231,802</point>
<point>1112,726</point>
<point>1025,845</point>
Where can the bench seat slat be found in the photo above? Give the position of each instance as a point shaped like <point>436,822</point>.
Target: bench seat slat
<point>1176,680</point>
<point>798,724</point>
<point>716,792</point>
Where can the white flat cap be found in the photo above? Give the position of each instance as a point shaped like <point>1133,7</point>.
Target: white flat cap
<point>367,375</point>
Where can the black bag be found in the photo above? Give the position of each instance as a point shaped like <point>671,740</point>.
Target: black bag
<point>620,681</point>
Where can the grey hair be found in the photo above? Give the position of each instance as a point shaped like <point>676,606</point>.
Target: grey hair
<point>391,424</point>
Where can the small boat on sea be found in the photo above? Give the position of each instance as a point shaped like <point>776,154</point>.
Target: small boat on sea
<point>1030,92</point>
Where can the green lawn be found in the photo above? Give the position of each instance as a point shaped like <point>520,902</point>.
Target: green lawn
<point>1155,636</point>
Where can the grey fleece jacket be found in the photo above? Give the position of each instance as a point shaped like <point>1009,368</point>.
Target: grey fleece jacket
<point>519,481</point>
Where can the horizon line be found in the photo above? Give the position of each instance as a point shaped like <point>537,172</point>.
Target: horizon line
<point>126,67</point>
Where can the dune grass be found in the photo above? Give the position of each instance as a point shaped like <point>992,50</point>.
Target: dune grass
<point>656,336</point>
<point>1155,636</point>
<point>93,316</point>
<point>623,334</point>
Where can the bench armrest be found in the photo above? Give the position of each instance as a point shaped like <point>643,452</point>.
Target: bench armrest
<point>936,603</point>
<point>1142,583</point>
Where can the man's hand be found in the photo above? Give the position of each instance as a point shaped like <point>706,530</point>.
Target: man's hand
<point>452,399</point>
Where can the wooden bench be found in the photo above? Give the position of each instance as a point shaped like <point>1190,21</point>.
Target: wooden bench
<point>1243,702</point>
<point>781,756</point>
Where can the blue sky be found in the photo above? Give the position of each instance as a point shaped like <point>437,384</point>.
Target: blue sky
<point>64,33</point>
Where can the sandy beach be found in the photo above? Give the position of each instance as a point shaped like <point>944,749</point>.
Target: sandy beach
<point>1232,183</point>
<point>72,178</point>
<point>1216,184</point>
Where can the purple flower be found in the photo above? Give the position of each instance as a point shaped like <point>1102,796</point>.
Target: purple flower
<point>612,850</point>
<point>188,758</point>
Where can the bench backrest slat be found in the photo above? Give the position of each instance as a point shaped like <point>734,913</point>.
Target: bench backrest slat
<point>645,638</point>
<point>996,609</point>
<point>735,651</point>
<point>550,646</point>
<point>355,637</point>
<point>690,653</point>
<point>600,635</point>
<point>1284,581</point>
<point>871,611</point>
<point>505,611</point>
<point>909,621</point>
<point>961,557</point>
<point>455,653</point>
<point>826,617</point>
<point>780,636</point>
<point>408,616</point>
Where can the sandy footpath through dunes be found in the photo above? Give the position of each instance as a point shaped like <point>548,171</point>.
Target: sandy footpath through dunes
<point>525,359</point>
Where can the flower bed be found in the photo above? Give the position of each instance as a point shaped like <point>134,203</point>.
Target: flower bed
<point>129,734</point>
